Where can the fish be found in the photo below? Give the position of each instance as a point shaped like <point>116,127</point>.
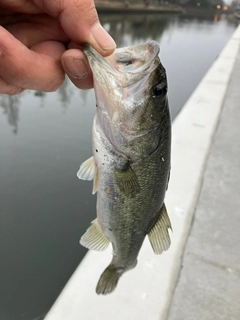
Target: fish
<point>130,166</point>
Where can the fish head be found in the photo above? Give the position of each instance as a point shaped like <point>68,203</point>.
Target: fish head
<point>130,87</point>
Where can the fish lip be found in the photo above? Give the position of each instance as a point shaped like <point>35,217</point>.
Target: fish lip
<point>152,47</point>
<point>90,52</point>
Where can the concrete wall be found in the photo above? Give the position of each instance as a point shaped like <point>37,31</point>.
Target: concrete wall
<point>146,291</point>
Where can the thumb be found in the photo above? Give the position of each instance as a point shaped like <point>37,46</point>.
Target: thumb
<point>79,20</point>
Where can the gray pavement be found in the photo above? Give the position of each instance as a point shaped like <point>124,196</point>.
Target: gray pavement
<point>209,282</point>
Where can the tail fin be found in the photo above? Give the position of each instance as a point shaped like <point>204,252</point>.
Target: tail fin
<point>108,280</point>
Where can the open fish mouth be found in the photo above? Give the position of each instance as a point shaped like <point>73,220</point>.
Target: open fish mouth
<point>127,65</point>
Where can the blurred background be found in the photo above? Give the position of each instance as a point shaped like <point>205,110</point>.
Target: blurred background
<point>44,137</point>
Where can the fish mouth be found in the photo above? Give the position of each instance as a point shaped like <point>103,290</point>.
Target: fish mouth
<point>127,65</point>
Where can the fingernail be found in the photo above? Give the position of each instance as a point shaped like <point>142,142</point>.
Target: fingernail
<point>104,40</point>
<point>76,68</point>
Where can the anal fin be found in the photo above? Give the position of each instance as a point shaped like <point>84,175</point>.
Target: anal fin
<point>94,238</point>
<point>158,235</point>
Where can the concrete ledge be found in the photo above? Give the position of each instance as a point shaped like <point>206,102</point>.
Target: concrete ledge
<point>209,282</point>
<point>146,291</point>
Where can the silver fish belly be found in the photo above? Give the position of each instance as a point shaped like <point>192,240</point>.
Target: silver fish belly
<point>130,166</point>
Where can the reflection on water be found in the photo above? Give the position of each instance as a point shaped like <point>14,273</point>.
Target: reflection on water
<point>44,208</point>
<point>168,30</point>
<point>83,94</point>
<point>39,94</point>
<point>121,28</point>
<point>65,93</point>
<point>10,107</point>
<point>11,104</point>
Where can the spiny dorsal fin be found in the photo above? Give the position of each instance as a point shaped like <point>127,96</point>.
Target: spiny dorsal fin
<point>158,235</point>
<point>87,170</point>
<point>94,238</point>
<point>127,182</point>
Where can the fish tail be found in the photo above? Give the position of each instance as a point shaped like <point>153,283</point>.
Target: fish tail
<point>108,280</point>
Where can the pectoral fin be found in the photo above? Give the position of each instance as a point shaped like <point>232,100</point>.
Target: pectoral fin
<point>158,235</point>
<point>127,182</point>
<point>94,238</point>
<point>87,170</point>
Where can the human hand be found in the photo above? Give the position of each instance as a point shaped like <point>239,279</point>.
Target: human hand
<point>40,39</point>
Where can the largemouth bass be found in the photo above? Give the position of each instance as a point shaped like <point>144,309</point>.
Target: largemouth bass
<point>130,166</point>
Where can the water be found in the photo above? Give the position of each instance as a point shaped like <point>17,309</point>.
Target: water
<point>44,208</point>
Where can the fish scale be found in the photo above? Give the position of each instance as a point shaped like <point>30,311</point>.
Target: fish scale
<point>130,166</point>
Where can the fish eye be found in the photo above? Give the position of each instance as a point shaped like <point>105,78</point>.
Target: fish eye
<point>159,90</point>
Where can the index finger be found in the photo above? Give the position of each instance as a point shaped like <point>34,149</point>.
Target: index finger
<point>36,69</point>
<point>79,20</point>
